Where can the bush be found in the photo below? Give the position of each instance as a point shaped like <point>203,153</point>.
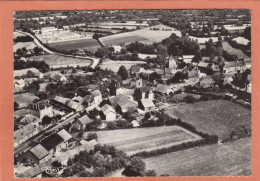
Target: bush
<point>111,125</point>
<point>92,136</point>
<point>189,99</point>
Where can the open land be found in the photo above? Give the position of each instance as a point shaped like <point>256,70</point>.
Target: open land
<point>145,139</point>
<point>230,49</point>
<point>229,159</point>
<point>16,34</point>
<point>20,45</point>
<point>145,35</point>
<point>115,65</point>
<point>62,35</point>
<point>88,44</point>
<point>55,61</point>
<point>219,117</point>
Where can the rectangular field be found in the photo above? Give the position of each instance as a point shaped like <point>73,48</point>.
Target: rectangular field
<point>146,35</point>
<point>55,61</point>
<point>145,139</point>
<point>229,159</point>
<point>86,44</point>
<point>219,117</point>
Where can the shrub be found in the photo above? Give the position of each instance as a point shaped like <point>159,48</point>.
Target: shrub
<point>189,99</point>
<point>92,136</point>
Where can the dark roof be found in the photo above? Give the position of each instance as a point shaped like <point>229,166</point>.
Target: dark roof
<point>85,119</point>
<point>96,93</point>
<point>39,151</point>
<point>162,88</point>
<point>51,141</point>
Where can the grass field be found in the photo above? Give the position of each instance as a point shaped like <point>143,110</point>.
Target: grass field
<point>229,159</point>
<point>218,117</point>
<point>115,65</point>
<point>16,34</point>
<point>144,35</point>
<point>55,61</point>
<point>145,139</point>
<point>27,45</point>
<point>88,44</point>
<point>230,49</point>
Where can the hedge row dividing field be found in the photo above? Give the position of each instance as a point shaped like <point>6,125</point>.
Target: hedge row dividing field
<point>215,117</point>
<point>229,159</point>
<point>136,140</point>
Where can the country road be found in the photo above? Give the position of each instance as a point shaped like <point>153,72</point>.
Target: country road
<point>39,44</point>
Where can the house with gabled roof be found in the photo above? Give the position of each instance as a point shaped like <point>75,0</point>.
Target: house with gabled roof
<point>83,121</point>
<point>25,133</point>
<point>123,104</point>
<point>108,113</point>
<point>146,104</point>
<point>37,155</point>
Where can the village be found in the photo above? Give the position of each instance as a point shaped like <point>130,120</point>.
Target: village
<point>79,113</point>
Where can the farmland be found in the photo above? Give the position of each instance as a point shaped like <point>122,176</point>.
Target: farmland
<point>145,35</point>
<point>213,117</point>
<point>88,44</point>
<point>55,61</point>
<point>62,35</point>
<point>230,49</point>
<point>145,139</point>
<point>115,65</point>
<point>229,159</point>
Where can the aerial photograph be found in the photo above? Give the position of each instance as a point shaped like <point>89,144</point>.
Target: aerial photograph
<point>132,93</point>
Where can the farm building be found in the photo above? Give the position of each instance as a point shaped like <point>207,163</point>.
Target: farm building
<point>136,70</point>
<point>146,104</point>
<point>44,108</point>
<point>143,93</point>
<point>25,133</point>
<point>187,58</point>
<point>163,89</point>
<point>37,155</point>
<point>108,113</point>
<point>123,103</point>
<point>48,147</point>
<point>82,122</point>
<point>97,96</point>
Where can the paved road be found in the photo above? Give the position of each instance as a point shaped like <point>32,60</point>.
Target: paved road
<point>39,44</point>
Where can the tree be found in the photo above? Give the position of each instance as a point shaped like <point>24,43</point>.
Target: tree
<point>135,56</point>
<point>247,33</point>
<point>92,136</point>
<point>122,72</point>
<point>101,52</point>
<point>56,164</point>
<point>46,120</point>
<point>135,168</point>
<point>34,87</point>
<point>16,105</point>
<point>111,125</point>
<point>150,173</point>
<point>80,135</point>
<point>37,50</point>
